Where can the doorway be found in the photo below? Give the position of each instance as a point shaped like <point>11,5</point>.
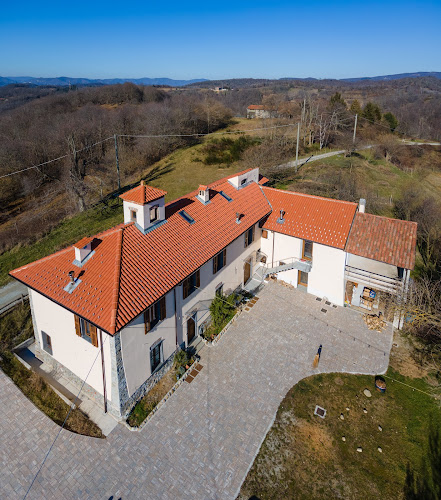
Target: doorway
<point>247,271</point>
<point>191,329</point>
<point>303,278</point>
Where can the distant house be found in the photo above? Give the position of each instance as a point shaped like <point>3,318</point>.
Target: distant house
<point>220,89</point>
<point>257,111</point>
<point>133,295</point>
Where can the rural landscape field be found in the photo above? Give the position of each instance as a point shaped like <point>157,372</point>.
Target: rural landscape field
<point>223,283</point>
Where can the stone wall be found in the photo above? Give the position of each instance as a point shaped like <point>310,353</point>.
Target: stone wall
<point>57,369</point>
<point>128,405</point>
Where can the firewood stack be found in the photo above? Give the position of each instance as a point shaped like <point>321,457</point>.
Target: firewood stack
<point>374,322</point>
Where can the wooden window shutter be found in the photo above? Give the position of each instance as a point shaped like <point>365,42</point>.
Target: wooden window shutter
<point>146,322</point>
<point>163,308</point>
<point>252,237</point>
<point>198,278</point>
<point>93,335</point>
<point>77,325</point>
<point>215,264</point>
<point>225,257</point>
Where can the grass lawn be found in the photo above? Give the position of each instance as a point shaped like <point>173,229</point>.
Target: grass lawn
<point>361,175</point>
<point>15,327</point>
<point>304,456</point>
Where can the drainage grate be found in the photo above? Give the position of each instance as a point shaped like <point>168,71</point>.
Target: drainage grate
<point>320,412</point>
<point>318,298</point>
<point>327,303</point>
<point>323,310</point>
<point>334,306</point>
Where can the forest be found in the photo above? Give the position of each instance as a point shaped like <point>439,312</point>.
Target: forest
<point>78,127</point>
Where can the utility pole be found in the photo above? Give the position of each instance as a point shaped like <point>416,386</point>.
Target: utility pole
<point>117,161</point>
<point>355,128</point>
<point>297,147</point>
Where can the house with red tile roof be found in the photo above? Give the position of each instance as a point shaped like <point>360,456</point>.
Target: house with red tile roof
<point>135,294</point>
<point>257,111</point>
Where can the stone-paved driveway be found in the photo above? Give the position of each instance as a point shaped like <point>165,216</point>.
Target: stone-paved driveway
<point>201,444</point>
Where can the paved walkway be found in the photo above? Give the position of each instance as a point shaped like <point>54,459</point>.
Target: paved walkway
<point>11,294</point>
<point>202,442</point>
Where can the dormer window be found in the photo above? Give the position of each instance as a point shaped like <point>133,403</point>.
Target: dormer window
<point>144,205</point>
<point>154,213</point>
<point>204,194</point>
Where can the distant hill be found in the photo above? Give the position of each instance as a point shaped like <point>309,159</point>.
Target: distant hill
<point>65,81</point>
<point>419,74</point>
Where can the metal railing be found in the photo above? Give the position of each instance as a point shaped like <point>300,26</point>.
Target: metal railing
<point>377,281</point>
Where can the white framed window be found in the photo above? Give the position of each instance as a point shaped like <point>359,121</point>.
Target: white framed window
<point>156,355</point>
<point>154,213</point>
<point>249,236</point>
<point>219,260</point>
<point>133,215</point>
<point>47,342</point>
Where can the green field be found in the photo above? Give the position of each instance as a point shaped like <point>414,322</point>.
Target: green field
<point>305,457</point>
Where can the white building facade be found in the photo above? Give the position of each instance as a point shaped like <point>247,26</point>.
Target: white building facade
<point>120,331</point>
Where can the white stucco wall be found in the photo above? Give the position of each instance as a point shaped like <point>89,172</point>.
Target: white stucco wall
<point>143,212</point>
<point>135,345</point>
<point>372,266</point>
<point>326,278</point>
<point>231,276</point>
<point>74,352</point>
<point>251,176</point>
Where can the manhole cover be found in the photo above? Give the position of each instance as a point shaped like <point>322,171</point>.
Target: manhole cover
<point>320,412</point>
<point>323,310</point>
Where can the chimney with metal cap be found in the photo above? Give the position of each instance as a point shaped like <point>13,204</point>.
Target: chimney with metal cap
<point>281,219</point>
<point>72,277</point>
<point>362,206</point>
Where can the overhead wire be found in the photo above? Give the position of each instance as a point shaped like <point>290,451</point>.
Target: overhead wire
<point>64,423</point>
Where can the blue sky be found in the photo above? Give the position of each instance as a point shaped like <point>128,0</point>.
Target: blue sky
<point>219,39</point>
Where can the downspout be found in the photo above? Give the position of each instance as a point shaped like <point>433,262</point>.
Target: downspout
<point>176,316</point>
<point>272,257</point>
<point>103,367</point>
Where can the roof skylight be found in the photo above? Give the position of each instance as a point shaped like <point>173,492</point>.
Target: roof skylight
<point>186,217</point>
<point>225,196</point>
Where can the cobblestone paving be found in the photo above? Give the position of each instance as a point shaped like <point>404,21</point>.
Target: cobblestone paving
<point>202,442</point>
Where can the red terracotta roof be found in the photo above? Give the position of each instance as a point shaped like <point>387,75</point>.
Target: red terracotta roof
<point>130,271</point>
<point>203,187</point>
<point>83,242</point>
<point>256,106</point>
<point>313,218</point>
<point>387,240</point>
<point>143,194</point>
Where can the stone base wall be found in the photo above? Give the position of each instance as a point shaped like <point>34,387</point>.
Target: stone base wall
<point>128,405</point>
<point>60,370</point>
<point>121,404</point>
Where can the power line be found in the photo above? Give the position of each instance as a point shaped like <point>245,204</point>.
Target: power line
<point>143,136</point>
<point>55,159</point>
<point>158,136</point>
<point>62,427</point>
<point>211,133</point>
